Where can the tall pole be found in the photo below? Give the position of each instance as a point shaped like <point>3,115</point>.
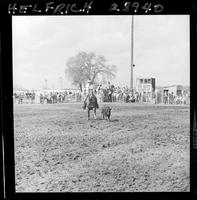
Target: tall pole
<point>132,60</point>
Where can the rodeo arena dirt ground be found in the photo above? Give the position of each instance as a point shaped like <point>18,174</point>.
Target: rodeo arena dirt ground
<point>144,148</point>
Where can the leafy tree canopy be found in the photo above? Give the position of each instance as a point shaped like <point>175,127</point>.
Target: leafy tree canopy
<point>88,66</point>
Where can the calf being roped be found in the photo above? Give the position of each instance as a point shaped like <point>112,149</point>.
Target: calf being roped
<point>106,112</point>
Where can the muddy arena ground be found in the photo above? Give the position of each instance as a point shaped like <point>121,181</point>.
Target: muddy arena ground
<point>143,148</point>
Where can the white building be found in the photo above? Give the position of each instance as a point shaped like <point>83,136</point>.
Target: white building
<point>175,89</point>
<point>145,85</point>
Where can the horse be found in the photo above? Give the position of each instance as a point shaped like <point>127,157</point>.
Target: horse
<point>91,104</point>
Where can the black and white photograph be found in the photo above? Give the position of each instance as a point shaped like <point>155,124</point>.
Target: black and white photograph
<point>101,103</point>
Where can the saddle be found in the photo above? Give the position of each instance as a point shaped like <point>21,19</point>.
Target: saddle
<point>91,103</point>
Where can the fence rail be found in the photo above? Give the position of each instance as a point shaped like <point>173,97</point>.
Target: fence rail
<point>157,98</point>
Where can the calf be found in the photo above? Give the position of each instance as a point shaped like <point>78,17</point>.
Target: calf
<point>106,112</point>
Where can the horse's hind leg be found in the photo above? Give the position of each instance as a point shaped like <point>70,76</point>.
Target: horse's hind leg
<point>88,114</point>
<point>109,118</point>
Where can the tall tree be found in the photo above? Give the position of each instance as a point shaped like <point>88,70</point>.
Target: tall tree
<point>88,66</point>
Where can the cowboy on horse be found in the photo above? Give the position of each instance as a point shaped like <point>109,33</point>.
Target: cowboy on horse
<point>90,101</point>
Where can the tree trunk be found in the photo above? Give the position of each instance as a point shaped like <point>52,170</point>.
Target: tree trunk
<point>80,86</point>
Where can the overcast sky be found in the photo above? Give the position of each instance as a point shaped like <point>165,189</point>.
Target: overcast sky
<point>43,44</point>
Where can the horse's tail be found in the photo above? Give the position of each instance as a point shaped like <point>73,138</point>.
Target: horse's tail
<point>84,105</point>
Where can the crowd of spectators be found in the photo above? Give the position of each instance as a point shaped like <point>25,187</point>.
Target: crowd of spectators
<point>46,97</point>
<point>113,93</point>
<point>60,97</point>
<point>171,98</point>
<point>21,97</point>
<point>109,93</point>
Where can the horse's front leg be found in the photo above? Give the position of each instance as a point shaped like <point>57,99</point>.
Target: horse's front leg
<point>88,114</point>
<point>94,113</point>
